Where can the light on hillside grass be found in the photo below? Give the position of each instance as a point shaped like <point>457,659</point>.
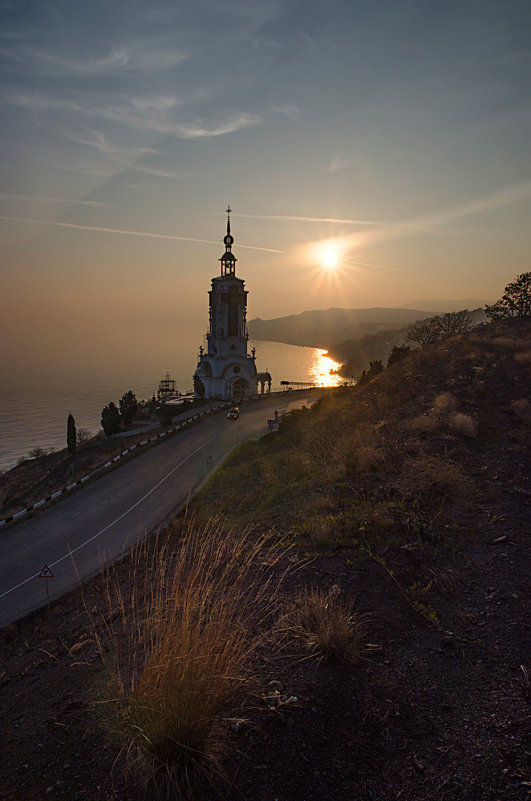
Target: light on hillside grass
<point>180,631</point>
<point>325,626</point>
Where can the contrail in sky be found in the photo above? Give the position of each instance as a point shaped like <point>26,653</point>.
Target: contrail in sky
<point>293,218</point>
<point>500,198</point>
<point>426,223</point>
<point>129,233</point>
<point>43,199</point>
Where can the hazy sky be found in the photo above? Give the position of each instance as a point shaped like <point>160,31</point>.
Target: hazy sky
<point>398,131</point>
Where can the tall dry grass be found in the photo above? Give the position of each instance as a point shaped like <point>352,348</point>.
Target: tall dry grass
<point>178,637</point>
<point>325,626</point>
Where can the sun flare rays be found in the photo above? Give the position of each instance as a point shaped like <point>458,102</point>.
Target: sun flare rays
<point>328,254</point>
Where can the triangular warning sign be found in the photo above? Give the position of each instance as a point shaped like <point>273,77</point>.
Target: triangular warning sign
<point>46,572</point>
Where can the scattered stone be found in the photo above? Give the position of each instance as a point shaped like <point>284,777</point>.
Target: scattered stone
<point>80,646</point>
<point>418,764</point>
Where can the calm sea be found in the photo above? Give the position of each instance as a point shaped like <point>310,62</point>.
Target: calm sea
<point>35,399</point>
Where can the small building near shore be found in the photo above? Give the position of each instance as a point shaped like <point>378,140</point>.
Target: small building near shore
<point>167,389</point>
<point>225,370</point>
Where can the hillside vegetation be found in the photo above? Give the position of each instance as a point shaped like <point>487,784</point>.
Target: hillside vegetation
<point>413,439</point>
<point>351,624</point>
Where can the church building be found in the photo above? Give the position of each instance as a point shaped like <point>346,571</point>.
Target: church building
<point>226,370</point>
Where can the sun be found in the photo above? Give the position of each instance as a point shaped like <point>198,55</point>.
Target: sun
<point>329,259</point>
<point>328,255</point>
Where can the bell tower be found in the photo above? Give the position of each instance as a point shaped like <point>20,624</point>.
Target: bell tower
<point>226,370</point>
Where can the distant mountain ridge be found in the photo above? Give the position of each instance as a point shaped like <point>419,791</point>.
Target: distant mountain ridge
<point>440,306</point>
<point>325,328</point>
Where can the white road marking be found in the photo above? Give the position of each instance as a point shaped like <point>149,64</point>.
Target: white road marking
<point>103,530</point>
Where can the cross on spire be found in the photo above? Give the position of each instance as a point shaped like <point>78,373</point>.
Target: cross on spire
<point>228,260</point>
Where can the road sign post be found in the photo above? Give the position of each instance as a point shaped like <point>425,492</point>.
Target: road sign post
<point>47,574</point>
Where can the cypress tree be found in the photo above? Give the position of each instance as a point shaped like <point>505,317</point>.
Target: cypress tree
<point>71,436</point>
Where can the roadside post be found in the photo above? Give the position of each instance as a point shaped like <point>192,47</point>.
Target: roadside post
<point>47,574</point>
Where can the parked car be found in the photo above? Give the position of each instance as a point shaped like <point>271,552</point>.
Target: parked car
<point>233,414</point>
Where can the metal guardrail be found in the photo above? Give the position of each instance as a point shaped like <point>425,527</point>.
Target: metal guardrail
<point>127,451</point>
<point>109,463</point>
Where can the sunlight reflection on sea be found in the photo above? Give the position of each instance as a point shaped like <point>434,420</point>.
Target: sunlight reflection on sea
<point>35,400</point>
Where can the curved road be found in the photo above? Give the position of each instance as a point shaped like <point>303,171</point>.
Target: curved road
<point>100,521</point>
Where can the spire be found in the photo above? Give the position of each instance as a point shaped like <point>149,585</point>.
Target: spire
<point>228,260</point>
<point>228,239</point>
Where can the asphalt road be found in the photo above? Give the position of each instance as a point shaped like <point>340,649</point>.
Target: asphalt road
<point>82,532</point>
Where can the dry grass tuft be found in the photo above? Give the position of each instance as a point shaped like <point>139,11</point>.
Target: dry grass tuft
<point>434,477</point>
<point>325,626</point>
<point>322,529</point>
<point>445,402</point>
<point>425,423</point>
<point>177,647</point>
<point>522,357</point>
<point>521,408</point>
<point>463,425</point>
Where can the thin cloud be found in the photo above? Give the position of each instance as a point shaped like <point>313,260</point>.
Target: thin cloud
<point>200,130</point>
<point>289,109</point>
<point>141,56</point>
<point>115,59</point>
<point>294,218</point>
<point>507,196</point>
<point>430,222</point>
<point>60,224</point>
<point>143,114</point>
<point>120,153</point>
<point>125,155</point>
<point>43,199</point>
<point>159,173</point>
<point>426,223</point>
<point>339,162</point>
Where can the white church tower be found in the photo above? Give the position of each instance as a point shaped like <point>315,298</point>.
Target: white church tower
<point>226,371</point>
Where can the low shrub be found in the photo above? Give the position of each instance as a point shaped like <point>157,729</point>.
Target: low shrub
<point>445,402</point>
<point>522,357</point>
<point>425,423</point>
<point>463,425</point>
<point>325,626</point>
<point>433,478</point>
